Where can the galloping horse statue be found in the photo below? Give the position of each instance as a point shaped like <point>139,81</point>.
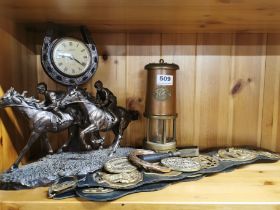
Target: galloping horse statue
<point>43,120</point>
<point>100,119</point>
<point>40,120</point>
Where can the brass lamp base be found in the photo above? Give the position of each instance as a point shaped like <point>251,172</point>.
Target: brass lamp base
<point>157,147</point>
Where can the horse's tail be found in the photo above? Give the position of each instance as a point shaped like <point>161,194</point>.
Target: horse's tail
<point>133,114</point>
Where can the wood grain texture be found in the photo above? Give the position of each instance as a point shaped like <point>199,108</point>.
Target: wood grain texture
<point>260,190</point>
<point>213,64</point>
<point>177,16</point>
<point>181,49</point>
<point>249,66</point>
<point>271,95</point>
<point>141,50</point>
<point>13,56</point>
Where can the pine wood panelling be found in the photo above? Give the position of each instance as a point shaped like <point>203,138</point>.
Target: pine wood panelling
<point>249,67</point>
<point>14,56</point>
<point>271,94</point>
<point>6,48</point>
<point>213,64</point>
<point>181,49</point>
<point>141,50</point>
<point>270,129</point>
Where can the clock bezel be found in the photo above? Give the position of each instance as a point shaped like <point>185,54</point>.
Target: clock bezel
<point>60,77</point>
<point>53,60</point>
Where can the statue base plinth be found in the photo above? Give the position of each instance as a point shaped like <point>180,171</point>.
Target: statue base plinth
<point>48,169</point>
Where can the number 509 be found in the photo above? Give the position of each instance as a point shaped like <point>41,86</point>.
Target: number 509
<point>164,78</point>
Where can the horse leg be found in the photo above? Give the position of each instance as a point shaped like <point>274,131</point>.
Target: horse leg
<point>118,135</point>
<point>33,137</point>
<point>115,144</point>
<point>65,145</point>
<point>90,128</point>
<point>47,143</point>
<point>101,142</point>
<point>71,131</point>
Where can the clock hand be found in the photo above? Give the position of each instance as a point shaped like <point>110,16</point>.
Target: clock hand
<point>68,55</point>
<point>65,54</point>
<point>76,60</point>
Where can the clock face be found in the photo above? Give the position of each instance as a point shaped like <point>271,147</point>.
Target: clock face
<point>68,60</point>
<point>71,57</point>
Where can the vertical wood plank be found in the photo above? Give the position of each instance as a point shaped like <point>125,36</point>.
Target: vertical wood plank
<point>29,62</point>
<point>10,75</point>
<point>213,64</point>
<point>249,68</point>
<point>141,50</point>
<point>271,94</point>
<point>8,152</point>
<point>181,50</point>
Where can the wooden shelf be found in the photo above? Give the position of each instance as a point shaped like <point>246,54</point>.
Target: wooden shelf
<point>176,16</point>
<point>252,187</point>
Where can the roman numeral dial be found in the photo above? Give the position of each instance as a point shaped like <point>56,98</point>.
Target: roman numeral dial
<point>71,57</point>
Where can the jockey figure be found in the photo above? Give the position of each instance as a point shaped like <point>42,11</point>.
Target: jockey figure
<point>52,98</point>
<point>106,99</point>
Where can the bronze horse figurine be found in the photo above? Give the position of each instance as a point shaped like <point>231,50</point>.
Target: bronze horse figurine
<point>100,119</point>
<point>41,121</point>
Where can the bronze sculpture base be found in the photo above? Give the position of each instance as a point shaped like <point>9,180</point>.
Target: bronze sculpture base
<point>48,169</point>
